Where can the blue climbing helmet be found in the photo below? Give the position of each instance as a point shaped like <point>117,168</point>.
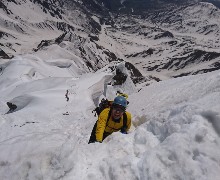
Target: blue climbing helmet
<point>120,100</point>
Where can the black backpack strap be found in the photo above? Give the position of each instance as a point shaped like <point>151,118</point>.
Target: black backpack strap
<point>109,114</point>
<point>124,127</point>
<point>92,138</point>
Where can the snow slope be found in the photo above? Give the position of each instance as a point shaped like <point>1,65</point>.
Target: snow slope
<point>175,132</point>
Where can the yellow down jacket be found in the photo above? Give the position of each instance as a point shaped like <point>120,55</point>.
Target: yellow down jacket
<point>111,125</point>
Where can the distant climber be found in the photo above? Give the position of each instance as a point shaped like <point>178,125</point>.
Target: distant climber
<point>66,95</point>
<point>112,119</point>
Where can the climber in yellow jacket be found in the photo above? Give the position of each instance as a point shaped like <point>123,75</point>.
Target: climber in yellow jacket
<point>112,119</point>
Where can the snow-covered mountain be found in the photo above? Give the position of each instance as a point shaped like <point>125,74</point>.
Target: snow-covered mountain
<point>40,20</point>
<point>161,44</point>
<point>137,6</point>
<point>134,6</point>
<point>59,58</point>
<point>177,41</point>
<point>175,131</point>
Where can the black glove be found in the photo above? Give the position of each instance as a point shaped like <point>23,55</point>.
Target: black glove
<point>123,130</point>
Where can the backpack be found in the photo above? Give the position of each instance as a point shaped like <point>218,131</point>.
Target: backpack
<point>105,103</point>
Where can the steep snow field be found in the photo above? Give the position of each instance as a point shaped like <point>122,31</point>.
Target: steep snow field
<point>63,67</point>
<point>175,132</point>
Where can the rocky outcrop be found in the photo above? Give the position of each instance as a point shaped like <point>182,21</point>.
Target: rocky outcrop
<point>135,74</point>
<point>132,6</point>
<point>3,55</point>
<point>146,53</point>
<point>164,34</point>
<point>51,6</point>
<point>2,6</point>
<point>196,57</point>
<point>11,106</point>
<point>119,78</point>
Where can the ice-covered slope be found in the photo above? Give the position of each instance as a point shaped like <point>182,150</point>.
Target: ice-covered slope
<point>57,77</point>
<point>175,131</point>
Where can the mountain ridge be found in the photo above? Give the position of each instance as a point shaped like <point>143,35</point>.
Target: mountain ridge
<point>166,41</point>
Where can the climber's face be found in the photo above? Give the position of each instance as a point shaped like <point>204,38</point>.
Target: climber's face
<point>117,111</point>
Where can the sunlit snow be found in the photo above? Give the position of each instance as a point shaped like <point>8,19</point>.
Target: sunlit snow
<point>175,132</point>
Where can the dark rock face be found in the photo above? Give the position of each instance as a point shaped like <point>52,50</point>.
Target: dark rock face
<point>132,6</point>
<point>187,60</point>
<point>119,78</point>
<point>136,75</point>
<point>2,6</point>
<point>146,53</point>
<point>165,34</point>
<point>94,6</point>
<point>51,6</point>
<point>215,66</point>
<point>12,1</point>
<point>42,44</point>
<point>93,38</point>
<point>64,27</point>
<point>11,106</point>
<point>1,34</point>
<point>195,57</point>
<point>135,6</point>
<point>58,40</point>
<point>3,55</point>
